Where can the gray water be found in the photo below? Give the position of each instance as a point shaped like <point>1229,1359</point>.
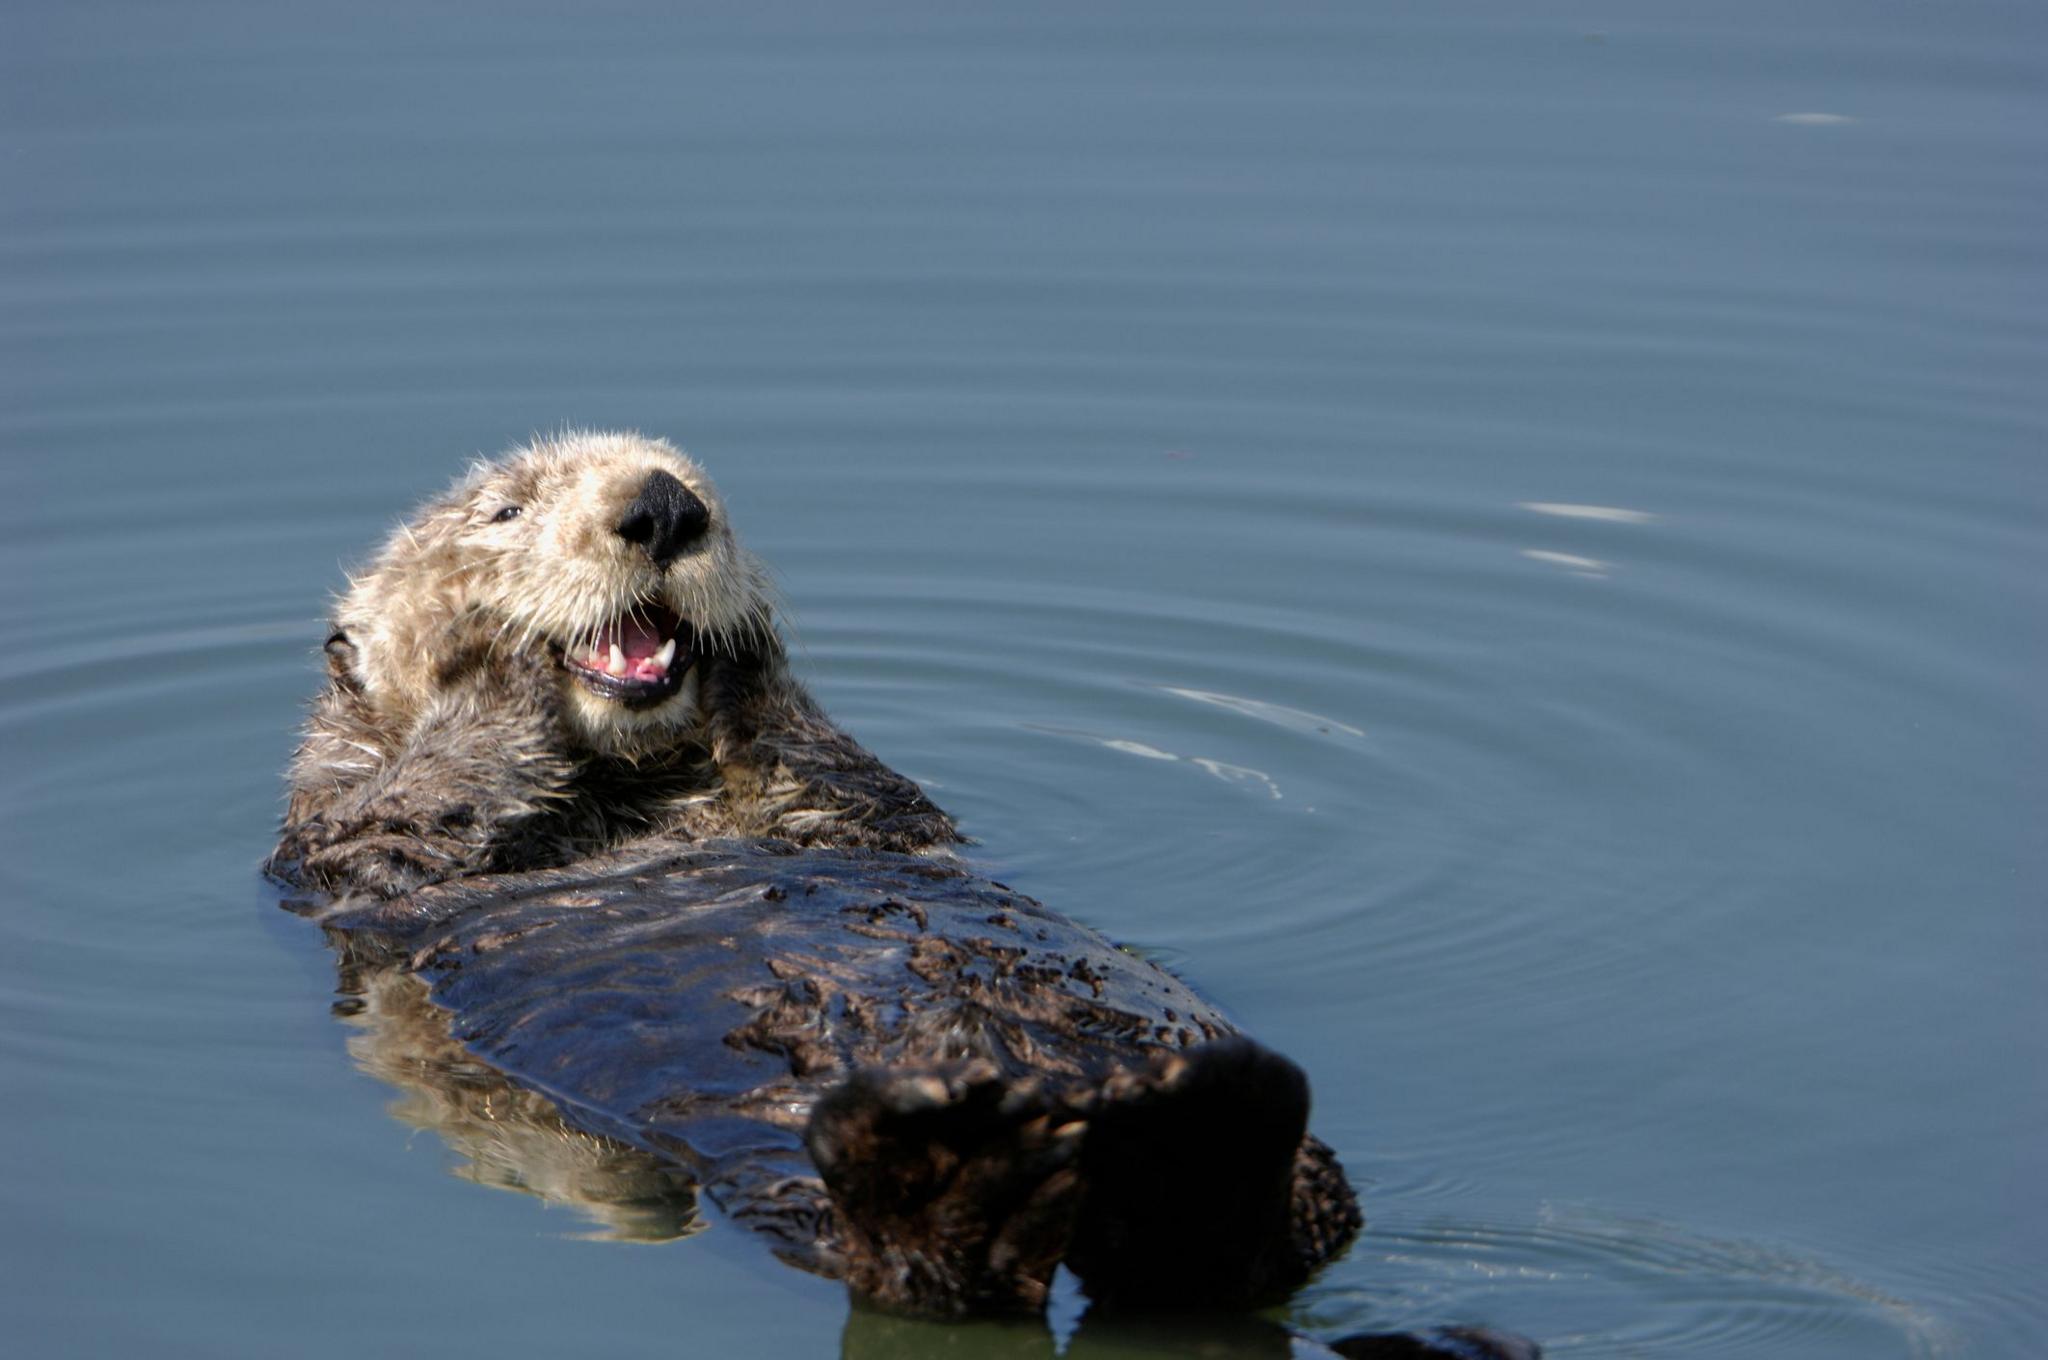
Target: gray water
<point>1503,542</point>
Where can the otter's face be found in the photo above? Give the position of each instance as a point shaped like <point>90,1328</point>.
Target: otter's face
<point>611,551</point>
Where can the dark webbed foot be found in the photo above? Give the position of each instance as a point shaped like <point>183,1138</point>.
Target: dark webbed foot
<point>1190,1167</point>
<point>955,1188</point>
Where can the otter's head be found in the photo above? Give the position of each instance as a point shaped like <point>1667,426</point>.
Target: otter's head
<point>610,551</point>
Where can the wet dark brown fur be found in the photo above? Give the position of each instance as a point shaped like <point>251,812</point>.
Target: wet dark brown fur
<point>714,933</point>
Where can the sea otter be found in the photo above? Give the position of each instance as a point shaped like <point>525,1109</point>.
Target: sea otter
<point>561,772</point>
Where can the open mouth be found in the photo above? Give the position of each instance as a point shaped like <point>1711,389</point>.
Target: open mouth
<point>638,659</point>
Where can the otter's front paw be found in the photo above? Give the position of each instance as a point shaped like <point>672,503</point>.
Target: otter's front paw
<point>501,671</point>
<point>384,864</point>
<point>477,646</point>
<point>728,696</point>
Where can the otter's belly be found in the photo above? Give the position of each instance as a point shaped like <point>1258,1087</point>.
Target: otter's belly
<point>696,998</point>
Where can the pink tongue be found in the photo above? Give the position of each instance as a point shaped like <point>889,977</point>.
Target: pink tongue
<point>637,642</point>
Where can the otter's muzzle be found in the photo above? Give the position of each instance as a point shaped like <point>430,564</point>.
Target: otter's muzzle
<point>664,519</point>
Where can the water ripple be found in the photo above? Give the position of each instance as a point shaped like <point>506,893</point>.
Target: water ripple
<point>1670,1291</point>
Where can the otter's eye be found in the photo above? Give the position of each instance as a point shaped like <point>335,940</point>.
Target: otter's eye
<point>510,512</point>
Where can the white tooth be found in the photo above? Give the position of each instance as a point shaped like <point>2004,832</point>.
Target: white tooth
<point>617,663</point>
<point>666,654</point>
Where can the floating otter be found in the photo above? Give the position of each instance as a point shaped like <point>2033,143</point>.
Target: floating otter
<point>562,774</point>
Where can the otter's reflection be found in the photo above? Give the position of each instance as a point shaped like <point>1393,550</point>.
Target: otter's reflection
<point>870,1335</point>
<point>504,1136</point>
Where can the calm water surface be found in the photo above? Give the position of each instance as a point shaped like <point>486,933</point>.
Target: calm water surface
<point>1505,542</point>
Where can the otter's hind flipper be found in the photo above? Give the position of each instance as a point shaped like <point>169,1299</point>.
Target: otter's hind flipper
<point>1194,1197</point>
<point>955,1188</point>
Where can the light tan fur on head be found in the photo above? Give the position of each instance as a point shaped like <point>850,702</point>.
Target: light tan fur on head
<point>530,544</point>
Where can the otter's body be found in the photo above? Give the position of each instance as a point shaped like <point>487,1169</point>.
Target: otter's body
<point>932,1042</point>
<point>561,772</point>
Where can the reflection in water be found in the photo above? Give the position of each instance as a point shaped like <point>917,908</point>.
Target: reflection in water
<point>1571,562</point>
<point>878,1336</point>
<point>870,1335</point>
<point>504,1136</point>
<point>1612,514</point>
<point>1221,769</point>
<point>1293,719</point>
<point>1578,564</point>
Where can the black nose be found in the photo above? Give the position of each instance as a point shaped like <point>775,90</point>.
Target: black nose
<point>665,518</point>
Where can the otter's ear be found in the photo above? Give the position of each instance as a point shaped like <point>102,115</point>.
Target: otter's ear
<point>341,662</point>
